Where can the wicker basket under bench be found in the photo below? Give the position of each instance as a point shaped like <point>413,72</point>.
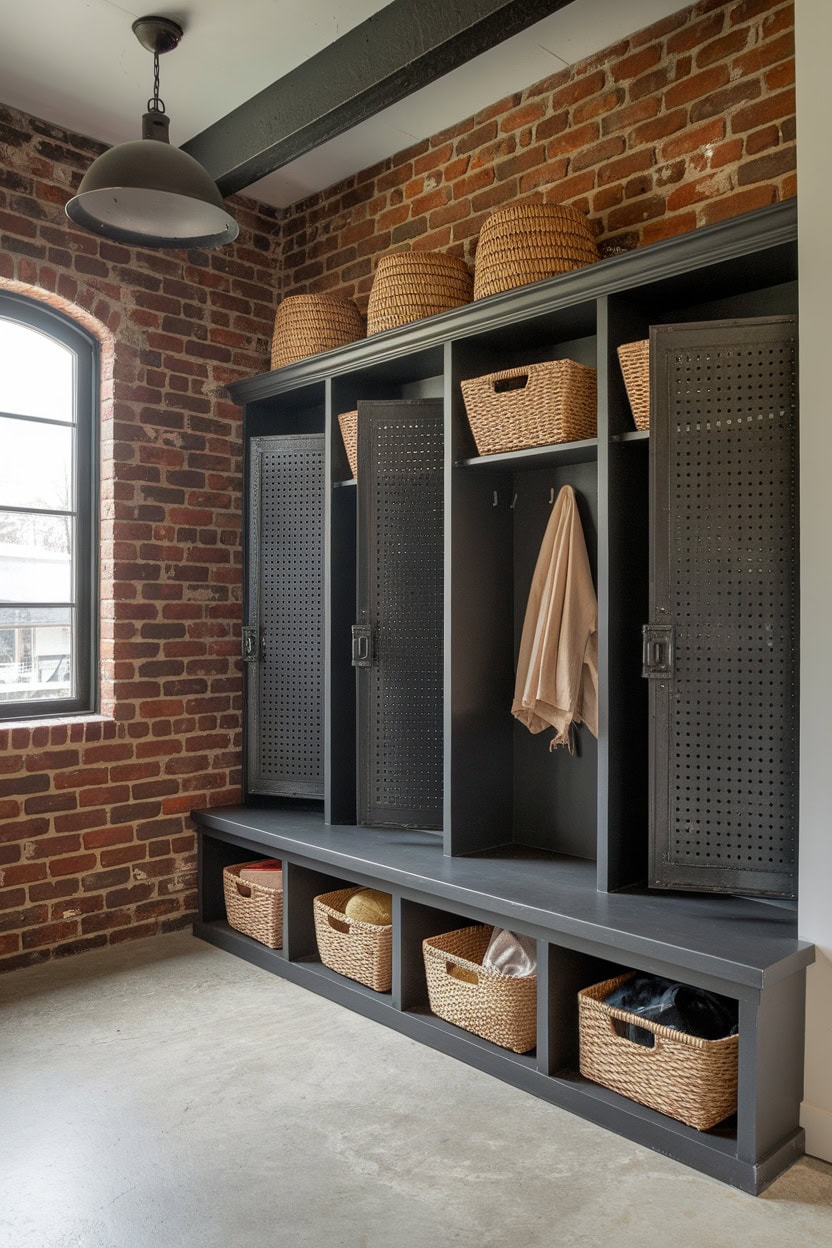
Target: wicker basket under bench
<point>253,909</point>
<point>361,951</point>
<point>685,1077</point>
<point>500,1008</point>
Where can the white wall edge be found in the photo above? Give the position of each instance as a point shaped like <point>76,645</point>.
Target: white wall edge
<point>817,1123</point>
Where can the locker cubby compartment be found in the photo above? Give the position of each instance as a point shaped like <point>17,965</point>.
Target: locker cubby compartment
<point>213,857</point>
<point>564,335</point>
<point>417,923</point>
<point>416,376</point>
<point>293,410</point>
<point>386,560</point>
<point>716,296</point>
<point>505,786</point>
<point>303,885</point>
<point>723,1134</point>
<point>283,637</point>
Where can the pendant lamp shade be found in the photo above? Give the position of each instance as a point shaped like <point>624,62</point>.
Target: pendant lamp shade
<point>149,193</point>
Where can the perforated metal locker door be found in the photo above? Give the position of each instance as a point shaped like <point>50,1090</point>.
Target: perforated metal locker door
<point>400,552</point>
<point>285,615</point>
<point>723,652</point>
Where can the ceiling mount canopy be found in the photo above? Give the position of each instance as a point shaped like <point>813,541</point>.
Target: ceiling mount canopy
<point>147,192</point>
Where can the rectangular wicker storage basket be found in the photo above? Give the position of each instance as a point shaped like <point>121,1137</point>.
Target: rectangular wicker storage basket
<point>253,909</point>
<point>361,951</point>
<point>688,1078</point>
<point>500,1008</point>
<point>634,358</point>
<point>348,422</point>
<point>539,404</point>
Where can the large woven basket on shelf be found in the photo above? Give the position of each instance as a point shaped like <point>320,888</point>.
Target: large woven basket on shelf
<point>348,422</point>
<point>528,242</point>
<point>361,951</point>
<point>253,909</point>
<point>500,1008</point>
<point>409,285</point>
<point>688,1078</point>
<point>308,324</point>
<point>634,358</point>
<point>555,401</point>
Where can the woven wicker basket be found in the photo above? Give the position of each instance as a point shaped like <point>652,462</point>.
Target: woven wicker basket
<point>634,358</point>
<point>500,1008</point>
<point>685,1077</point>
<point>308,324</point>
<point>555,401</point>
<point>528,242</point>
<point>361,951</point>
<point>349,432</point>
<point>409,285</point>
<point>253,909</point>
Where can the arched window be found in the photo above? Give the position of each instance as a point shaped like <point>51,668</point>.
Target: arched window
<point>48,512</point>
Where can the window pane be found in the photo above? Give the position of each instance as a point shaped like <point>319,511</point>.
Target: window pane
<point>35,465</point>
<point>35,560</point>
<point>36,649</point>
<point>36,373</point>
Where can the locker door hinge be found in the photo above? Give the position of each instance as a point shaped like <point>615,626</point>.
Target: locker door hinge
<point>251,647</point>
<point>363,648</point>
<point>657,650</point>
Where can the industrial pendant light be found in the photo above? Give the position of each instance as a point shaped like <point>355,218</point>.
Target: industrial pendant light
<point>147,191</point>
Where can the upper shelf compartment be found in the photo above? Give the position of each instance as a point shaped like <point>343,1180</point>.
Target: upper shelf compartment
<point>689,268</point>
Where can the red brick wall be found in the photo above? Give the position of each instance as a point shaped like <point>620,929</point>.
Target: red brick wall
<point>684,123</point>
<point>95,842</point>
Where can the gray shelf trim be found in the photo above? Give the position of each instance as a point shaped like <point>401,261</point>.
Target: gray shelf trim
<point>582,452</point>
<point>740,946</point>
<point>707,1152</point>
<point>703,248</point>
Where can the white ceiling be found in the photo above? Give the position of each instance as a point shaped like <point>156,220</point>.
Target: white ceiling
<point>77,63</point>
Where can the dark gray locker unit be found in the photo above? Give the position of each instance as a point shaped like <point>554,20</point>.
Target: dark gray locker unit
<point>397,641</point>
<point>721,650</point>
<point>283,641</point>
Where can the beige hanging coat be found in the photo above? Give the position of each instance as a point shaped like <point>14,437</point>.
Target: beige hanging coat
<point>557,670</point>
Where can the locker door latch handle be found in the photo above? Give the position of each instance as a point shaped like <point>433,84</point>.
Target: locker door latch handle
<point>250,646</point>
<point>362,645</point>
<point>657,650</point>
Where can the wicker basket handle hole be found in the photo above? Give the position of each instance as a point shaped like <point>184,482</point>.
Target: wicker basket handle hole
<point>243,889</point>
<point>503,384</point>
<point>462,973</point>
<point>339,925</point>
<point>628,1031</point>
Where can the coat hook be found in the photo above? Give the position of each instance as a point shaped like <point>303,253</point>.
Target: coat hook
<point>495,502</point>
<point>551,495</point>
<point>513,502</point>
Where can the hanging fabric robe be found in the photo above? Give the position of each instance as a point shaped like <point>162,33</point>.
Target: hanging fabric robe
<point>557,670</point>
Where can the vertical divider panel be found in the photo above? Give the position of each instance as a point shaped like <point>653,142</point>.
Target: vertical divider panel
<point>479,637</point>
<point>448,388</point>
<point>603,574</point>
<point>623,545</point>
<point>770,1068</point>
<point>340,568</point>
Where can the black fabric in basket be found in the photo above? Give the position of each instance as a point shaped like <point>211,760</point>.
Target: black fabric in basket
<point>694,1011</point>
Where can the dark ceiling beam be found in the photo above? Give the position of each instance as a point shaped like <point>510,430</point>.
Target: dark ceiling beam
<point>402,48</point>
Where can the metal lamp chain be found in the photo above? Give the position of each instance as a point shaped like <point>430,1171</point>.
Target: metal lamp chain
<point>155,105</point>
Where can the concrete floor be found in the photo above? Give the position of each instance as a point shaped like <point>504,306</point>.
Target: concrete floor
<point>164,1094</point>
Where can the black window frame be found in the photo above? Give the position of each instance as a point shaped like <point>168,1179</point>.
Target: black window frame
<point>85,348</point>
